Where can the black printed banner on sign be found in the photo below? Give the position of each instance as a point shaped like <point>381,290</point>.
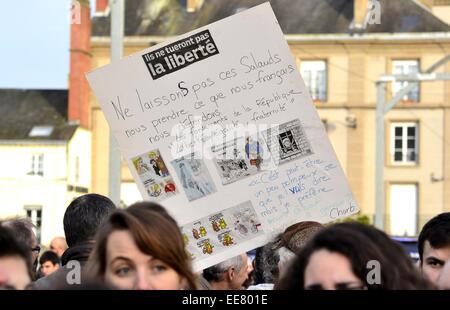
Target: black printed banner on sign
<point>180,54</point>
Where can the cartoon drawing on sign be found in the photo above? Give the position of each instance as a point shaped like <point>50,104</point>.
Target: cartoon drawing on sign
<point>255,226</point>
<point>140,166</point>
<point>215,226</point>
<point>158,165</point>
<point>216,221</point>
<point>203,232</point>
<point>232,161</point>
<point>226,239</point>
<point>154,190</point>
<point>208,248</point>
<point>195,233</point>
<point>246,221</point>
<point>222,223</point>
<point>231,227</point>
<point>254,152</point>
<point>155,167</point>
<point>154,175</point>
<point>194,177</point>
<point>240,227</point>
<point>160,189</point>
<point>288,141</point>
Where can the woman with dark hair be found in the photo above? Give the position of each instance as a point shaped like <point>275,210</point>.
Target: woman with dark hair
<point>352,256</point>
<point>141,247</point>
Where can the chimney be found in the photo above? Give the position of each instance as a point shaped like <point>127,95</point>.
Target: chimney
<point>101,5</point>
<point>80,63</point>
<point>359,12</point>
<point>193,5</point>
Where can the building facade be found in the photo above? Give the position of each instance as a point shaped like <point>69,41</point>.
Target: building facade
<point>45,162</point>
<point>340,57</point>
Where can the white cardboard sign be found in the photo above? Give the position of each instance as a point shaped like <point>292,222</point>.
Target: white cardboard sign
<point>218,126</point>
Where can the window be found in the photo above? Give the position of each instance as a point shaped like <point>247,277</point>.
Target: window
<point>37,164</point>
<point>314,73</point>
<point>404,143</point>
<point>406,67</point>
<point>403,209</point>
<point>34,214</point>
<point>41,131</point>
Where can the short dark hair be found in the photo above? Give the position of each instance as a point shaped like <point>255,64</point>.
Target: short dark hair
<point>266,262</point>
<point>84,216</point>
<point>49,256</point>
<point>10,246</point>
<point>359,244</point>
<point>436,231</point>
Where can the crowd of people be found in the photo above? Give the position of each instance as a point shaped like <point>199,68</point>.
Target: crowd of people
<point>141,248</point>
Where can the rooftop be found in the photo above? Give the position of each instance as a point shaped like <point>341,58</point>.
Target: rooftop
<point>170,17</point>
<point>34,115</point>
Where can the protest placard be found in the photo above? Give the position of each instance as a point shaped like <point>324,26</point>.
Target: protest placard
<point>218,127</point>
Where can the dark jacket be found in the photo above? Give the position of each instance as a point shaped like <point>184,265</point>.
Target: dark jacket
<point>67,276</point>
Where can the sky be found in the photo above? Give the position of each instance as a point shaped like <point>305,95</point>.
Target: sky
<point>34,43</point>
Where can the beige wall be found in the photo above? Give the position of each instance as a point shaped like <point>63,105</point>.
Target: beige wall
<point>337,131</point>
<point>443,12</point>
<point>19,189</point>
<point>80,147</point>
<point>431,159</point>
<point>446,172</point>
<point>355,149</point>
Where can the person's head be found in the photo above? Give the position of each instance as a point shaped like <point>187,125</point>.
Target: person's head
<point>443,282</point>
<point>141,247</point>
<point>352,256</point>
<point>58,245</point>
<point>296,236</point>
<point>15,261</point>
<point>83,217</point>
<point>266,263</point>
<point>23,232</point>
<point>287,143</point>
<point>294,239</point>
<point>228,275</point>
<point>272,259</point>
<point>285,258</point>
<point>434,246</point>
<point>49,262</point>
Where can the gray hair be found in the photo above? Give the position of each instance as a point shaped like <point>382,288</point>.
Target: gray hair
<point>215,273</point>
<point>286,256</point>
<point>22,228</point>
